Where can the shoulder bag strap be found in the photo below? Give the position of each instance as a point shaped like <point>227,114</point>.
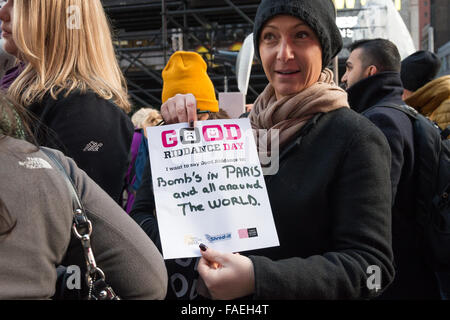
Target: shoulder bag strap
<point>82,229</point>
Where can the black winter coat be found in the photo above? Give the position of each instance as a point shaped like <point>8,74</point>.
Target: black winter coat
<point>414,279</point>
<point>331,201</point>
<point>94,132</point>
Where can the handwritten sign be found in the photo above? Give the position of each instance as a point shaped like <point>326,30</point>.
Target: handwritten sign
<point>209,188</point>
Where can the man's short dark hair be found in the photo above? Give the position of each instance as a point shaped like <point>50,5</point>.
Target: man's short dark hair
<point>381,53</point>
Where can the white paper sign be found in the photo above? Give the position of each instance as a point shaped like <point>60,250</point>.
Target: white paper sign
<point>209,188</point>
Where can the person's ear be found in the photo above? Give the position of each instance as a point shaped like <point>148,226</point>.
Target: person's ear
<point>372,70</point>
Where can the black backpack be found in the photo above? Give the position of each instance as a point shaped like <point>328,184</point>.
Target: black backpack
<point>432,188</point>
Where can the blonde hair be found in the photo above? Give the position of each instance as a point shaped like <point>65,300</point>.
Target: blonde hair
<point>152,118</point>
<point>68,46</point>
<point>139,116</point>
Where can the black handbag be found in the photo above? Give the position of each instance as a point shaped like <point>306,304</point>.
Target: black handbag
<point>81,229</point>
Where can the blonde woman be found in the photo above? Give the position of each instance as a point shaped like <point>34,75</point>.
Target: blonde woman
<point>72,83</point>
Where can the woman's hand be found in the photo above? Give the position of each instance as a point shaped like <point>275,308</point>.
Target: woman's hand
<point>180,108</point>
<point>226,276</point>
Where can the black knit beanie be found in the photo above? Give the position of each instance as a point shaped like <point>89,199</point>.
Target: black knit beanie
<point>418,69</point>
<point>320,16</point>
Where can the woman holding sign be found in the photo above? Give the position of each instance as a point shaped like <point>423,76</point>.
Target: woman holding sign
<point>331,196</point>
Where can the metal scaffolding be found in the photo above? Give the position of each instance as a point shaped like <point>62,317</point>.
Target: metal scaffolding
<point>147,32</point>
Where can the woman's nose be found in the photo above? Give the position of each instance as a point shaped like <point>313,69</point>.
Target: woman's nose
<point>285,51</point>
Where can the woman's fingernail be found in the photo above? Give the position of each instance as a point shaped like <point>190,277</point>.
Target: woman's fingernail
<point>203,247</point>
<point>191,124</point>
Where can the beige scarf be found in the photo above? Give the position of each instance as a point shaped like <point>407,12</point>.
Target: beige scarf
<point>290,114</point>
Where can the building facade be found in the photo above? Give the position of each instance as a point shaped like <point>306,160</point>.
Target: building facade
<point>444,54</point>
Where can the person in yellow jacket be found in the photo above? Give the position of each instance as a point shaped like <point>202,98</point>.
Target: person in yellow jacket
<point>430,97</point>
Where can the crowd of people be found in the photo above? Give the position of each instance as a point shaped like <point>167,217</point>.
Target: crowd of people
<point>341,199</point>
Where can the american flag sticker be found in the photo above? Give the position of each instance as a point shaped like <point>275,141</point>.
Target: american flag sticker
<point>247,233</point>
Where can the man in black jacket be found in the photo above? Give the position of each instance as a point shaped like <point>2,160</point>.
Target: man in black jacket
<point>372,79</point>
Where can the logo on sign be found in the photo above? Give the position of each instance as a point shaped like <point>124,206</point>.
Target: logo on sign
<point>247,233</point>
<point>220,237</point>
<point>191,240</point>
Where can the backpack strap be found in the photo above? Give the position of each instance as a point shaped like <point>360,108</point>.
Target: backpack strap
<point>413,114</point>
<point>445,133</point>
<point>409,111</point>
